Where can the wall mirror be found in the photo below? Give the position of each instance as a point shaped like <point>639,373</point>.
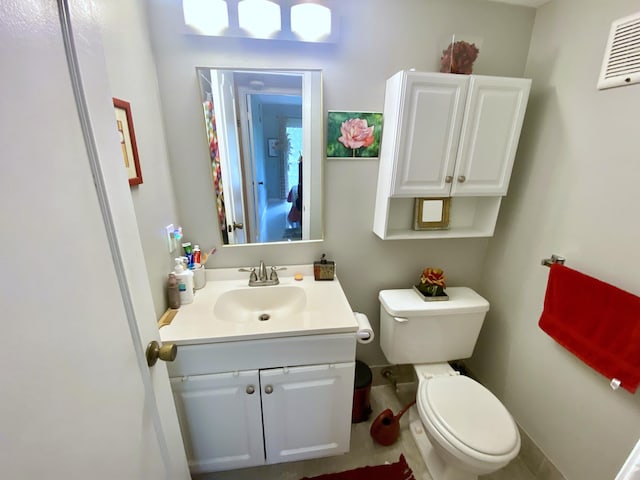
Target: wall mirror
<point>264,130</point>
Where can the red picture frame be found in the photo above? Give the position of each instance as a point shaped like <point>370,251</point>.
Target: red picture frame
<point>124,125</point>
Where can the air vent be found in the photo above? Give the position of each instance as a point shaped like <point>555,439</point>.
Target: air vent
<point>621,65</point>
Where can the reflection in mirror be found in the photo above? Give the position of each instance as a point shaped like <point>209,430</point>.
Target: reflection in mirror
<point>264,132</point>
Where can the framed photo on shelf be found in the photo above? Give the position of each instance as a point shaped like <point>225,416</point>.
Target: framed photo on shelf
<point>124,124</point>
<point>431,213</point>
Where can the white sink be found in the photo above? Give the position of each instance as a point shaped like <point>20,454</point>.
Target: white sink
<point>260,304</point>
<point>227,309</point>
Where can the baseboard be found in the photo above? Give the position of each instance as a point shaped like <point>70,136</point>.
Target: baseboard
<point>536,461</point>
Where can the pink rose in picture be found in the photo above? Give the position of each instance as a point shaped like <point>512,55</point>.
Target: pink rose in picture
<point>356,133</point>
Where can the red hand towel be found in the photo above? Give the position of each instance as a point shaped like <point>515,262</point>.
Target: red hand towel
<point>597,322</point>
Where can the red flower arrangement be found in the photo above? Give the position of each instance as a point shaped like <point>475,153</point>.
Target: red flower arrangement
<point>458,57</point>
<point>432,282</point>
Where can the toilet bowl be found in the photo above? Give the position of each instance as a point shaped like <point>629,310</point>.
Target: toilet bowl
<point>462,430</point>
<point>466,425</point>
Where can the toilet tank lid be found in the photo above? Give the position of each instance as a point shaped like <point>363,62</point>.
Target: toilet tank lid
<point>407,302</point>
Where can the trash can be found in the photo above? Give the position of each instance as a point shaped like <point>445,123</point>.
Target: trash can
<point>361,393</point>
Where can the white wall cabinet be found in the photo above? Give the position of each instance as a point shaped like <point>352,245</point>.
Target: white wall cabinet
<point>447,135</point>
<point>262,416</point>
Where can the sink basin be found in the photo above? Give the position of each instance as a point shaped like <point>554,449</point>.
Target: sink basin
<point>255,304</point>
<point>228,310</point>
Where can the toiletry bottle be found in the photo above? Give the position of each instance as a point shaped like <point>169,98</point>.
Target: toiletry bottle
<point>196,254</point>
<point>188,252</point>
<point>324,269</point>
<point>185,282</point>
<point>173,293</point>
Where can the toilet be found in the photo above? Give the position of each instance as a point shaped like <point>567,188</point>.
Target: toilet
<point>462,430</point>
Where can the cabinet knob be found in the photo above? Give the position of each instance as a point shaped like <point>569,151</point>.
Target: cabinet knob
<point>166,352</point>
<point>448,179</point>
<point>250,389</point>
<point>268,389</point>
<point>462,178</point>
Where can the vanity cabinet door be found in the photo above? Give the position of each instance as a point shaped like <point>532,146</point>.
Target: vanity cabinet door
<point>490,132</point>
<point>307,411</point>
<point>220,419</point>
<point>429,113</point>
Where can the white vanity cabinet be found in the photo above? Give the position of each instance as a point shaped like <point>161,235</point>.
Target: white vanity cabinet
<point>248,403</point>
<point>308,413</point>
<point>447,135</point>
<point>220,419</point>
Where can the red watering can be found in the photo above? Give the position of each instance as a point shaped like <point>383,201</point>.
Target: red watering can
<point>385,429</point>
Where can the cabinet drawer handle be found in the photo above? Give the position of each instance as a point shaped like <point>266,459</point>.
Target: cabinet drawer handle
<point>448,179</point>
<point>462,179</point>
<point>250,389</point>
<point>268,389</point>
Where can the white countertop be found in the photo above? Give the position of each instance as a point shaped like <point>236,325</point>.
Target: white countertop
<point>327,311</point>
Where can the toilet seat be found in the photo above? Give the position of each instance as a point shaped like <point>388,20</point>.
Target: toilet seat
<point>469,417</point>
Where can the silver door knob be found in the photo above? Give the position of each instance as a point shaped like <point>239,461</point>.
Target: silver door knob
<point>166,352</point>
<point>448,179</point>
<point>268,389</point>
<point>250,389</point>
<point>462,179</point>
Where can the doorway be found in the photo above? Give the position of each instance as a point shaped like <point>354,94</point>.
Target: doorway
<point>271,129</point>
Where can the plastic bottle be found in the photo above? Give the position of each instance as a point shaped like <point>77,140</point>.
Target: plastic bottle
<point>185,282</point>
<point>196,254</point>
<point>173,293</point>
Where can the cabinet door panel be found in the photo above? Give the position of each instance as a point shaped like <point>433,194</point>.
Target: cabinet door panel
<point>429,133</point>
<point>221,423</point>
<point>308,413</point>
<point>490,133</point>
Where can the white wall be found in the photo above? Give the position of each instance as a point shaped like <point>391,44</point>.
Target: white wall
<point>132,76</point>
<point>378,38</point>
<point>574,192</point>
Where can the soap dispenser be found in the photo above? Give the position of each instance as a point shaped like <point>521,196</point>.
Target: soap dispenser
<point>324,269</point>
<point>185,282</point>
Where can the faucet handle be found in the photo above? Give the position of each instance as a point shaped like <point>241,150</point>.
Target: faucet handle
<point>253,277</point>
<point>274,275</point>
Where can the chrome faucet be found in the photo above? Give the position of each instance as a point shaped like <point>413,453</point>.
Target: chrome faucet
<point>262,272</point>
<point>260,278</point>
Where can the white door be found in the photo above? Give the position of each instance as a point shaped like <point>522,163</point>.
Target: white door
<point>254,176</point>
<point>307,411</point>
<point>221,420</point>
<point>223,92</point>
<point>431,112</point>
<point>490,132</point>
<point>78,398</point>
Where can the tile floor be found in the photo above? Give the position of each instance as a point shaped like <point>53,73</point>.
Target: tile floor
<point>364,451</point>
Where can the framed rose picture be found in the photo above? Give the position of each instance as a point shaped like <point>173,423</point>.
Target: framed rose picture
<point>354,134</point>
<point>124,124</point>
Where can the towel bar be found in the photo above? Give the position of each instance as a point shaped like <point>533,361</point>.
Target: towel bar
<point>547,262</point>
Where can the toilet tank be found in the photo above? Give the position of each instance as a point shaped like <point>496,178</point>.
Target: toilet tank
<point>415,331</point>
